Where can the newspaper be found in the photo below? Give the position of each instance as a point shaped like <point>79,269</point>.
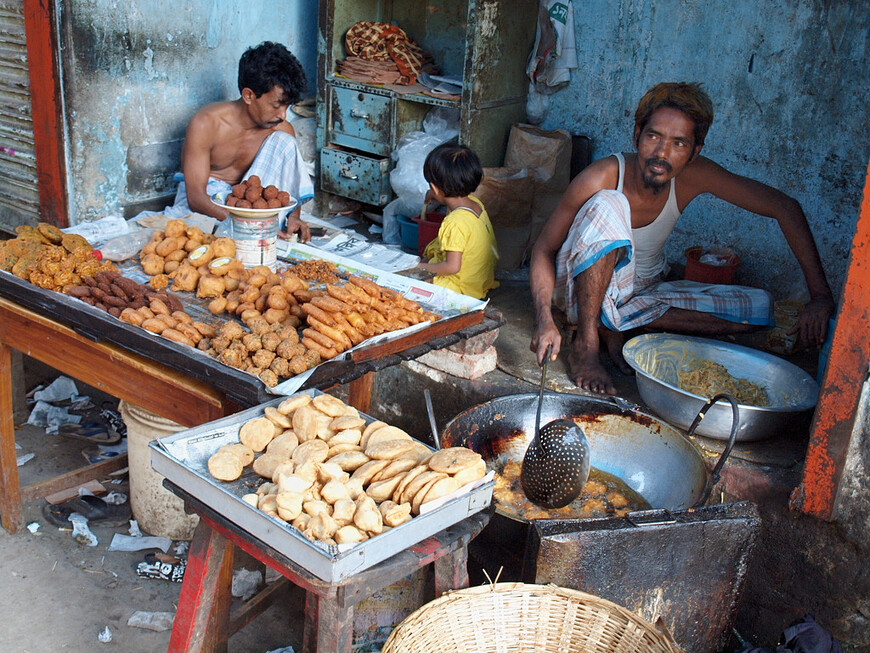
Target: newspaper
<point>351,245</point>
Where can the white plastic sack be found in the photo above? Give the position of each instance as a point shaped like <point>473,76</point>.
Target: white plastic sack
<point>440,125</point>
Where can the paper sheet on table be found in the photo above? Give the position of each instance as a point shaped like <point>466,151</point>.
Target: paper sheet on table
<point>356,248</point>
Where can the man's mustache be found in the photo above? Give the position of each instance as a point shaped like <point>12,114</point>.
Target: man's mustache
<point>659,162</point>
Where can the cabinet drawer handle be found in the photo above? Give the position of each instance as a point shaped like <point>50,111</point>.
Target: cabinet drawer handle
<point>347,175</point>
<point>357,113</point>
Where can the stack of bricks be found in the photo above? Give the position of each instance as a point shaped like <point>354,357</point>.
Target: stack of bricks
<point>469,358</point>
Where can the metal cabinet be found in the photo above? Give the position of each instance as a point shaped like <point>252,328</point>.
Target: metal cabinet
<point>484,42</point>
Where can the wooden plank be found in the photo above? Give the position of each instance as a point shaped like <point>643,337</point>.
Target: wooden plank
<point>359,392</point>
<point>202,618</point>
<point>10,490</point>
<point>435,330</point>
<point>258,604</point>
<point>122,374</point>
<point>72,479</point>
<point>45,109</point>
<point>840,394</point>
<point>451,571</point>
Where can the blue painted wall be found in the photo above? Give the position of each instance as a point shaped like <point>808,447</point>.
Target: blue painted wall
<point>789,82</point>
<point>135,72</point>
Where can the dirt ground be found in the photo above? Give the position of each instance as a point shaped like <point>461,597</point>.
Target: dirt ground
<point>60,595</point>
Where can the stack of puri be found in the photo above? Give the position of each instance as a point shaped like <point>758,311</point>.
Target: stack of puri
<point>349,313</point>
<point>335,478</point>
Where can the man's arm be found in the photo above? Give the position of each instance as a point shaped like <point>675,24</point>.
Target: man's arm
<point>542,268</point>
<point>196,165</point>
<point>707,176</point>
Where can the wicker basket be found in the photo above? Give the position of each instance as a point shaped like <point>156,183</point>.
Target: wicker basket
<point>515,617</point>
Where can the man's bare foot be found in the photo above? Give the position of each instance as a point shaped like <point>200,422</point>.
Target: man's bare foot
<point>586,370</point>
<point>614,340</point>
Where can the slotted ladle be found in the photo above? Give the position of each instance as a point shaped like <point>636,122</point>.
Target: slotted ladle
<point>556,463</point>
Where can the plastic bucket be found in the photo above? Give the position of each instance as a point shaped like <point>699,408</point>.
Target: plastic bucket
<point>407,232</point>
<point>427,230</point>
<point>706,272</point>
<point>158,511</point>
<point>256,241</point>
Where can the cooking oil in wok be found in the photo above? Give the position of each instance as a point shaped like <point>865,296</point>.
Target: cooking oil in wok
<point>604,495</point>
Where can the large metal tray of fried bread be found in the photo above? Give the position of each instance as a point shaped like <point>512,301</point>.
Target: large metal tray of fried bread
<point>243,388</point>
<point>183,459</point>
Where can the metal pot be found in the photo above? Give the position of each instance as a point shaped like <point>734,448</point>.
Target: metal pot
<point>651,457</point>
<point>656,357</point>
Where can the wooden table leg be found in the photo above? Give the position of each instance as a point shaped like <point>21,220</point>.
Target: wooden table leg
<point>451,571</point>
<point>328,627</point>
<point>202,619</point>
<point>10,489</point>
<point>359,392</point>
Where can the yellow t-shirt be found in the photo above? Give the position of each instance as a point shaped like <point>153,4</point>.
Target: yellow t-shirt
<point>473,236</point>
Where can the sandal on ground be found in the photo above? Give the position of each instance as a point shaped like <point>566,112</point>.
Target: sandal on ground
<point>94,509</point>
<point>91,432</point>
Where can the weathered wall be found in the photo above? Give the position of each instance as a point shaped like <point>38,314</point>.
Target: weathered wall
<point>789,82</point>
<point>135,72</point>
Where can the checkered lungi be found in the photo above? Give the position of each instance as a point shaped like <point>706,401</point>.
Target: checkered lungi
<point>603,225</point>
<point>278,162</point>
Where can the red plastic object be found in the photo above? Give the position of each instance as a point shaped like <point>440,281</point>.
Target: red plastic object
<point>706,273</point>
<point>427,230</point>
<point>97,254</point>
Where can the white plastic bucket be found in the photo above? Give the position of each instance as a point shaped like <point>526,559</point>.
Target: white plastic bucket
<point>256,241</point>
<point>158,511</point>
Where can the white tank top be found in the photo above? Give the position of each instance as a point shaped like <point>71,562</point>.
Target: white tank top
<point>649,240</point>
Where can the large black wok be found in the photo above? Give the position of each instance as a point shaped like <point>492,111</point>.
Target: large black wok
<point>651,457</point>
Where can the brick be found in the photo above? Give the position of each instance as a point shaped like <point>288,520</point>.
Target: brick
<point>466,366</point>
<point>475,344</point>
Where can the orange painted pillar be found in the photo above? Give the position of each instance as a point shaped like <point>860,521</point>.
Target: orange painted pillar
<point>844,378</point>
<point>48,136</point>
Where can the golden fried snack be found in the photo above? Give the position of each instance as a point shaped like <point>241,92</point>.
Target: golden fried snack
<point>329,405</point>
<point>369,286</point>
<point>383,490</point>
<point>289,405</point>
<point>322,339</point>
<point>453,460</point>
<point>364,473</point>
<point>225,466</point>
<point>50,232</point>
<point>385,433</point>
<point>305,422</point>
<point>284,444</point>
<point>312,310</point>
<point>420,481</point>
<point>311,450</point>
<point>345,436</point>
<point>332,332</point>
<point>469,474</point>
<point>257,433</point>
<point>324,352</point>
<point>278,418</point>
<point>396,466</point>
<point>331,304</point>
<point>406,480</point>
<point>245,455</point>
<point>348,533</point>
<point>350,461</point>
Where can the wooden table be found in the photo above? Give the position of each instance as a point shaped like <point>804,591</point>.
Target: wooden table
<point>160,389</point>
<point>203,622</point>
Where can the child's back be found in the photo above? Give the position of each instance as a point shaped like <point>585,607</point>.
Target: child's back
<point>464,256</point>
<point>471,233</point>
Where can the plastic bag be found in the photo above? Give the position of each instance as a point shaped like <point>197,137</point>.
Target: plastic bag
<point>439,126</point>
<point>392,211</point>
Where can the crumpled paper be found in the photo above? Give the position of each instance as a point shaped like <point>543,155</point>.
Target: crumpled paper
<point>51,417</point>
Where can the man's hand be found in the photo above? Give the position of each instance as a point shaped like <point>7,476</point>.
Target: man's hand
<point>546,334</point>
<point>812,324</point>
<point>294,224</point>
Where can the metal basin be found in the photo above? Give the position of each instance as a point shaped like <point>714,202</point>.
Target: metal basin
<point>656,357</point>
<point>651,457</point>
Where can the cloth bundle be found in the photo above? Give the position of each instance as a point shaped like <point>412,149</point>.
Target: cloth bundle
<point>382,43</point>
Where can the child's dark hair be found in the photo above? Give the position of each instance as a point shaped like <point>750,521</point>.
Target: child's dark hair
<point>454,169</point>
<point>269,65</point>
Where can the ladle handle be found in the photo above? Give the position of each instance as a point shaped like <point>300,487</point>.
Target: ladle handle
<point>431,413</point>
<point>732,438</point>
<point>541,392</point>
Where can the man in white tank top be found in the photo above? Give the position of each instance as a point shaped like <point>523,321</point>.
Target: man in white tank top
<point>600,257</point>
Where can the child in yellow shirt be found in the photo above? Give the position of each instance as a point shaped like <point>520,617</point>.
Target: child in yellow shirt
<point>464,255</point>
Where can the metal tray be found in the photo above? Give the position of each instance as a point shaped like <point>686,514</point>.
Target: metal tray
<point>182,458</point>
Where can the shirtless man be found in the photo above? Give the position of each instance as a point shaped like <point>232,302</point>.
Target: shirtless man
<point>600,256</point>
<point>225,140</point>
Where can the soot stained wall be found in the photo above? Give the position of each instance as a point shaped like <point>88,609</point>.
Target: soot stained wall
<point>135,72</point>
<point>789,82</point>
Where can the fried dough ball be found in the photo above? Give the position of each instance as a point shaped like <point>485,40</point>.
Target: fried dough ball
<point>263,358</point>
<point>252,342</point>
<point>269,378</point>
<point>239,190</point>
<point>271,341</point>
<point>232,330</point>
<point>175,229</point>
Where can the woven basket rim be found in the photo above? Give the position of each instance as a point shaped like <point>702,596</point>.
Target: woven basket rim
<point>662,641</point>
